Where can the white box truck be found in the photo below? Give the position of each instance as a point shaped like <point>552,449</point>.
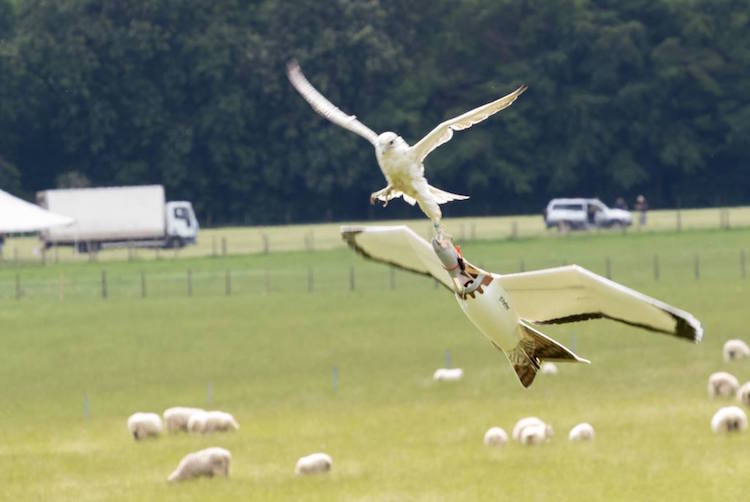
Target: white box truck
<point>118,217</point>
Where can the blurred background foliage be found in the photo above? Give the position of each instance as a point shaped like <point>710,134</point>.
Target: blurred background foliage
<point>625,97</point>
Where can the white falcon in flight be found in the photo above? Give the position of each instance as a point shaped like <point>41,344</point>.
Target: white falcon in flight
<point>401,164</point>
<point>507,308</point>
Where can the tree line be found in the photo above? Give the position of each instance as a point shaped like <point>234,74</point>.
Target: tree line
<point>625,97</point>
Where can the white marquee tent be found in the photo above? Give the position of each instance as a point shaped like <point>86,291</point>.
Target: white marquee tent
<point>17,216</point>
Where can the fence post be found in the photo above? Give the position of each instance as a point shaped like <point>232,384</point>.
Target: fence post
<point>608,267</point>
<point>104,284</point>
<point>223,246</point>
<point>189,282</point>
<point>228,283</point>
<point>656,267</point>
<point>462,235</point>
<point>742,263</point>
<point>679,220</point>
<point>266,246</point>
<point>213,246</point>
<point>514,230</point>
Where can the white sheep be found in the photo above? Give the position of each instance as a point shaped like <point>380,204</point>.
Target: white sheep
<point>176,418</point>
<point>581,432</point>
<point>211,421</point>
<point>207,462</point>
<point>722,384</point>
<point>530,422</point>
<point>735,349</point>
<point>549,369</point>
<point>743,394</point>
<point>143,425</point>
<point>448,374</point>
<point>314,463</point>
<point>729,419</point>
<point>495,436</point>
<point>534,434</point>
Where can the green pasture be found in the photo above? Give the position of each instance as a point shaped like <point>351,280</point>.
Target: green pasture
<point>74,365</point>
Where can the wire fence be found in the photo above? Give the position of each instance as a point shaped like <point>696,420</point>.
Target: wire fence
<point>129,282</point>
<point>265,240</point>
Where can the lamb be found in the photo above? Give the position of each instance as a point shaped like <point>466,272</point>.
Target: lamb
<point>206,462</point>
<point>448,374</point>
<point>529,422</point>
<point>143,425</point>
<point>581,432</point>
<point>176,418</point>
<point>743,394</point>
<point>735,349</point>
<point>534,434</point>
<point>729,419</point>
<point>549,369</point>
<point>722,384</point>
<point>315,463</point>
<point>495,436</point>
<point>211,421</point>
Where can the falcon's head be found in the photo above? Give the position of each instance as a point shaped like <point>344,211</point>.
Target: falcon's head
<point>390,141</point>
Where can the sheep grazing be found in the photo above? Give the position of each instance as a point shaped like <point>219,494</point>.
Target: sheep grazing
<point>533,434</point>
<point>448,374</point>
<point>722,384</point>
<point>729,419</point>
<point>211,421</point>
<point>522,424</point>
<point>743,394</point>
<point>207,462</point>
<point>176,418</point>
<point>495,436</point>
<point>315,463</point>
<point>581,432</point>
<point>735,349</point>
<point>549,369</point>
<point>143,425</point>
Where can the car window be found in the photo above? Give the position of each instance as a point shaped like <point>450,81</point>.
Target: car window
<point>569,207</point>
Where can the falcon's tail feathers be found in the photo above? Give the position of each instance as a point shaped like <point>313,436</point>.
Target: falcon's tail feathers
<point>441,196</point>
<point>533,349</point>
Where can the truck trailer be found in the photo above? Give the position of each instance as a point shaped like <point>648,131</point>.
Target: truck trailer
<point>108,217</point>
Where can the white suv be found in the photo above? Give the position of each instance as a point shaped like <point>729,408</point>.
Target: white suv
<point>584,213</point>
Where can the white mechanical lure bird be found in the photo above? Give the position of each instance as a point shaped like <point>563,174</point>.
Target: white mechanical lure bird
<point>506,307</point>
<point>401,164</point>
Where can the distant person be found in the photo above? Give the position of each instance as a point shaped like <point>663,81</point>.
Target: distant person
<point>621,204</point>
<point>641,206</point>
<point>2,243</point>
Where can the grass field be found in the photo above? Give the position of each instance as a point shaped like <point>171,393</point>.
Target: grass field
<point>268,351</point>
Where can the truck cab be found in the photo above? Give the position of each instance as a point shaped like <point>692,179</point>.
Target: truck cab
<point>181,223</point>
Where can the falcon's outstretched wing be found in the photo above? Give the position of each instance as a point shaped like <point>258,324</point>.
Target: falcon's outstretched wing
<point>444,132</point>
<point>572,293</point>
<point>398,246</point>
<point>324,107</point>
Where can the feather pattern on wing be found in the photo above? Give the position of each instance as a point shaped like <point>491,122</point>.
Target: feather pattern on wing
<point>444,132</point>
<point>572,293</point>
<point>324,107</point>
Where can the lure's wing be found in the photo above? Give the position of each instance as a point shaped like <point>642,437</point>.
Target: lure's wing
<point>398,246</point>
<point>572,293</point>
